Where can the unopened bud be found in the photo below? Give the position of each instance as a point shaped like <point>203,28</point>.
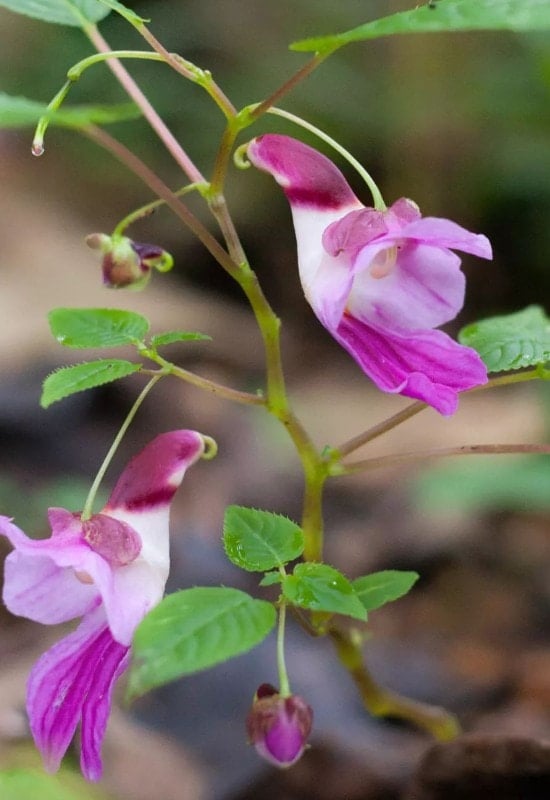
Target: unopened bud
<point>279,727</point>
<point>127,263</point>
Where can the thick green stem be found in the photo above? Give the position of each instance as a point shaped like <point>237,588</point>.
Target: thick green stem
<point>382,702</point>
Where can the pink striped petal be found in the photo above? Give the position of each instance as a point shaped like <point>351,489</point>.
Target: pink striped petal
<point>74,680</point>
<point>426,365</point>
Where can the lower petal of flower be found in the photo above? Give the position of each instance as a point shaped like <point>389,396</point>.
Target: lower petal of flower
<point>426,365</point>
<point>73,680</point>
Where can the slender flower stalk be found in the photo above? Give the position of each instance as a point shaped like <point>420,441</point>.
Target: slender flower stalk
<point>159,126</point>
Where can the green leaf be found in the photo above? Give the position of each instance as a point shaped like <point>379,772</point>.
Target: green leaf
<point>271,578</point>
<point>178,336</point>
<point>129,15</point>
<point>511,341</point>
<point>20,112</point>
<point>69,380</point>
<point>519,484</point>
<point>319,587</point>
<point>259,540</point>
<point>96,327</point>
<point>379,588</point>
<point>63,12</point>
<point>447,15</point>
<point>195,629</point>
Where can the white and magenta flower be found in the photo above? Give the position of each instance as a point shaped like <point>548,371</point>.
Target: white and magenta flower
<point>379,281</point>
<point>110,570</point>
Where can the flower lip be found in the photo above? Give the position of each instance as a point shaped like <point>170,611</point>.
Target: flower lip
<point>114,540</point>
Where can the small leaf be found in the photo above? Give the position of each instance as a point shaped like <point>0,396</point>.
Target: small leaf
<point>178,336</point>
<point>259,540</point>
<point>195,629</point>
<point>69,380</point>
<point>511,341</point>
<point>271,578</point>
<point>446,15</point>
<point>129,15</point>
<point>379,588</point>
<point>320,587</point>
<point>63,12</point>
<point>96,327</point>
<point>20,112</point>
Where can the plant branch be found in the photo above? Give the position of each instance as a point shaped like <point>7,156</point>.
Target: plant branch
<point>130,86</point>
<point>159,188</point>
<point>378,430</point>
<point>463,450</point>
<point>381,702</point>
<point>287,86</point>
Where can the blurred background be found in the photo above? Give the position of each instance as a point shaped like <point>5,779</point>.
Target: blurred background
<point>461,124</point>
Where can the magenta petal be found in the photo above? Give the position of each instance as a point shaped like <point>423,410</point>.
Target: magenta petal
<point>424,289</point>
<point>426,365</point>
<point>308,178</point>
<point>151,478</point>
<point>75,674</point>
<point>36,585</point>
<point>444,233</point>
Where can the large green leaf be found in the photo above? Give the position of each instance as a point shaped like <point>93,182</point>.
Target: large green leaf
<point>441,16</point>
<point>195,629</point>
<point>20,112</point>
<point>64,12</point>
<point>70,380</point>
<point>319,587</point>
<point>96,327</point>
<point>511,341</point>
<point>259,540</point>
<point>379,588</point>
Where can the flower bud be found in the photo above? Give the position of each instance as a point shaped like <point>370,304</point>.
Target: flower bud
<point>279,727</point>
<point>127,263</point>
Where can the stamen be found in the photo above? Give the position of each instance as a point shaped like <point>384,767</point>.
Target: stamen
<point>384,263</point>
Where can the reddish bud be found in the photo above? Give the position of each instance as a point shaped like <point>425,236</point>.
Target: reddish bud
<point>127,263</point>
<point>279,727</point>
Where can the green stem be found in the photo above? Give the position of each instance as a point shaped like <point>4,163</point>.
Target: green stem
<point>284,684</point>
<point>148,208</point>
<point>381,702</point>
<point>374,190</point>
<point>199,76</point>
<point>161,129</point>
<point>462,450</point>
<point>218,389</point>
<point>88,505</point>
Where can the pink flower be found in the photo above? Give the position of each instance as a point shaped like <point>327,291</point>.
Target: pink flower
<point>110,570</point>
<point>379,281</point>
<point>279,727</point>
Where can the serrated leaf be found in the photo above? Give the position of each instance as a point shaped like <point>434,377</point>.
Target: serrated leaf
<point>446,15</point>
<point>383,587</point>
<point>195,629</point>
<point>510,341</point>
<point>76,13</point>
<point>320,587</point>
<point>20,112</point>
<point>80,328</point>
<point>271,578</point>
<point>260,540</point>
<point>178,336</point>
<point>70,380</point>
<point>129,15</point>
